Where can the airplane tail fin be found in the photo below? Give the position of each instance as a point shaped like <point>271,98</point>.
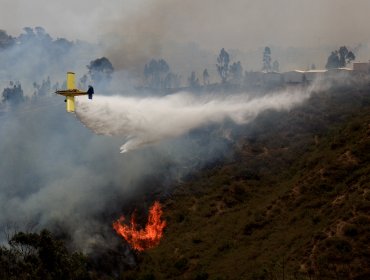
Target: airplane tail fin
<point>90,92</point>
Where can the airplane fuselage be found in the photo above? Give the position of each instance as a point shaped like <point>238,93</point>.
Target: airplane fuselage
<point>72,91</point>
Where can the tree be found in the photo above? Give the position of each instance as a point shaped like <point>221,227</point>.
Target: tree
<point>236,71</point>
<point>61,46</point>
<point>276,66</point>
<point>40,256</point>
<point>172,80</point>
<point>205,77</point>
<point>223,61</point>
<point>13,94</point>
<point>83,81</point>
<point>42,35</point>
<point>345,56</point>
<point>44,88</point>
<point>163,69</point>
<point>6,40</point>
<point>266,60</point>
<point>340,58</point>
<point>156,72</point>
<point>150,71</point>
<point>27,36</point>
<point>193,80</point>
<point>100,70</point>
<point>350,57</point>
<point>333,61</point>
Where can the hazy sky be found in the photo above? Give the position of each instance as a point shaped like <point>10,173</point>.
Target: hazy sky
<point>244,24</point>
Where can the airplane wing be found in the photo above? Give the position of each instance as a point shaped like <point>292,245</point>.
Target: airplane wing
<point>71,92</point>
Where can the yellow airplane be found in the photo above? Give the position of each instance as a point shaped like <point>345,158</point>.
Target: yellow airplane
<point>72,91</point>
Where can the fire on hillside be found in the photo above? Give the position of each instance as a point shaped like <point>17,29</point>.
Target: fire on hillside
<point>142,239</point>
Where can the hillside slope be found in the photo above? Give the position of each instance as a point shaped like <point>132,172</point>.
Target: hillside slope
<point>293,203</point>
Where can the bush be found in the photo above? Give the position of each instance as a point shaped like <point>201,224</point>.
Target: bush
<point>201,276</point>
<point>148,276</point>
<point>350,230</point>
<point>41,256</point>
<point>258,223</point>
<point>181,265</point>
<point>337,250</point>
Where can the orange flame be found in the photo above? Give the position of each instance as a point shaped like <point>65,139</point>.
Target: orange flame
<point>141,239</point>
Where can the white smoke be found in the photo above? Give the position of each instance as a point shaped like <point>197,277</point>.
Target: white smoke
<point>148,120</point>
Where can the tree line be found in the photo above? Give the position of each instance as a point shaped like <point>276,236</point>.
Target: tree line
<point>99,73</point>
<point>158,75</point>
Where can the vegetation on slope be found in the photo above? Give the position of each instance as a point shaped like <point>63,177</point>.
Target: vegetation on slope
<point>40,256</point>
<point>293,203</point>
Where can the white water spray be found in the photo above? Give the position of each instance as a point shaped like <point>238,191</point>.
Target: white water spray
<point>144,121</point>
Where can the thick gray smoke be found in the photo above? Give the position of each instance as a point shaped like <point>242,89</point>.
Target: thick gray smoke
<point>144,121</point>
<point>55,173</point>
<point>159,27</point>
<point>35,56</point>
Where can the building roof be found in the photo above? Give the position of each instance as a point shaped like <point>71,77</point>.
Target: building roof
<point>341,69</point>
<point>316,71</point>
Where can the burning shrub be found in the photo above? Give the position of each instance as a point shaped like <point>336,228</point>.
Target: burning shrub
<point>141,239</point>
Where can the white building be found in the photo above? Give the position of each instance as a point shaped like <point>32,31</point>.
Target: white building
<point>294,77</point>
<point>311,75</point>
<point>362,67</point>
<point>272,78</point>
<point>300,76</point>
